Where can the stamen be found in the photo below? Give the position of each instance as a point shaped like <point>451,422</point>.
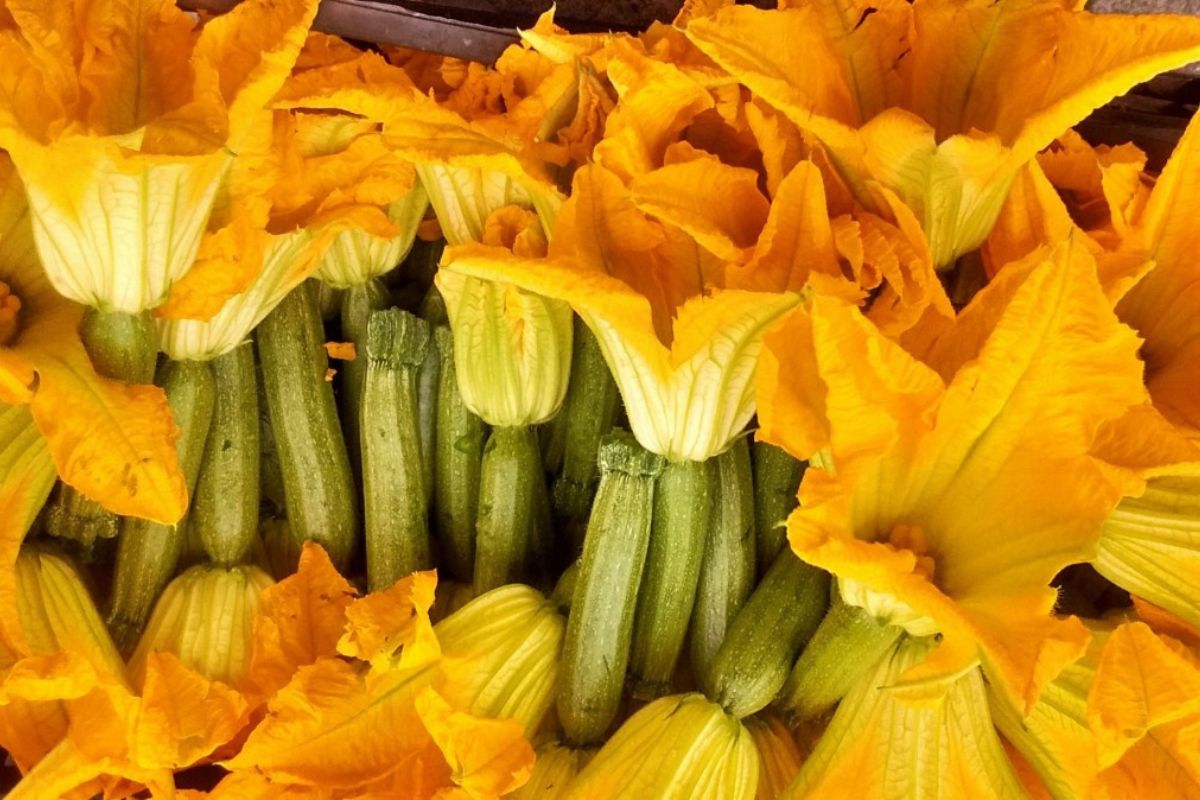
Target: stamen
<point>910,537</point>
<point>10,311</point>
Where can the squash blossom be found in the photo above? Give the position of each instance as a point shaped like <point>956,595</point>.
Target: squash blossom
<point>320,177</point>
<point>676,747</point>
<point>367,708</point>
<point>879,744</point>
<point>1146,250</point>
<point>918,450</point>
<point>114,443</point>
<point>98,730</point>
<point>941,103</point>
<point>681,350</point>
<point>145,129</point>
<point>205,617</point>
<point>1102,730</point>
<point>500,655</point>
<point>512,347</point>
<point>50,611</point>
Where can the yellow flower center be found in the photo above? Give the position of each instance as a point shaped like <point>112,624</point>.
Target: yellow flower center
<point>10,311</point>
<point>912,538</point>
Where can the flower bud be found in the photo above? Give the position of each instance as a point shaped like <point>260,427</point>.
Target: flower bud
<point>56,612</point>
<point>512,349</point>
<point>678,746</point>
<point>555,768</point>
<point>355,255</point>
<point>205,617</point>
<point>501,655</point>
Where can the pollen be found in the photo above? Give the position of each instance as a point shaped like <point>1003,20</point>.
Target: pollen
<point>910,537</point>
<point>10,314</point>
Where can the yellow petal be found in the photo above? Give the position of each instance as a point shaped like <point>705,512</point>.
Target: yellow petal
<point>26,476</point>
<point>718,205</point>
<point>501,655</point>
<point>677,746</point>
<point>1163,305</point>
<point>1097,57</point>
<point>1054,737</point>
<point>356,255</point>
<point>184,716</point>
<point>1142,681</point>
<point>921,457</point>
<point>299,620</point>
<point>879,746</point>
<point>1151,546</point>
<point>124,226</point>
<point>795,240</point>
<point>287,260</point>
<point>657,101</point>
<point>333,726</point>
<point>397,619</point>
<point>1033,215</point>
<point>204,618</point>
<point>245,56</point>
<point>778,757</point>
<point>487,757</point>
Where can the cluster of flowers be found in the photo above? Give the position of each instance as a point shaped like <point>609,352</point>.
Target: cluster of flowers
<point>791,403</point>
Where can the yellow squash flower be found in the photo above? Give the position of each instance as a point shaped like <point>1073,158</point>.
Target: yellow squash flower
<point>103,730</point>
<point>323,178</point>
<point>957,488</point>
<point>114,443</point>
<point>940,102</point>
<point>123,121</point>
<point>676,747</point>
<point>512,347</point>
<point>1145,245</point>
<point>681,348</point>
<point>1123,720</point>
<point>355,705</point>
<point>204,617</point>
<point>881,746</point>
<point>1164,306</point>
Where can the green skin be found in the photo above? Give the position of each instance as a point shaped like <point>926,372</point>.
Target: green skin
<point>148,552</point>
<point>848,643</point>
<point>318,485</point>
<point>458,445</point>
<point>357,304</point>
<point>600,625</point>
<point>727,575</point>
<point>512,503</point>
<point>395,511</point>
<point>225,505</point>
<point>572,437</point>
<point>766,636</point>
<point>123,347</point>
<point>776,480</point>
<point>682,513</point>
